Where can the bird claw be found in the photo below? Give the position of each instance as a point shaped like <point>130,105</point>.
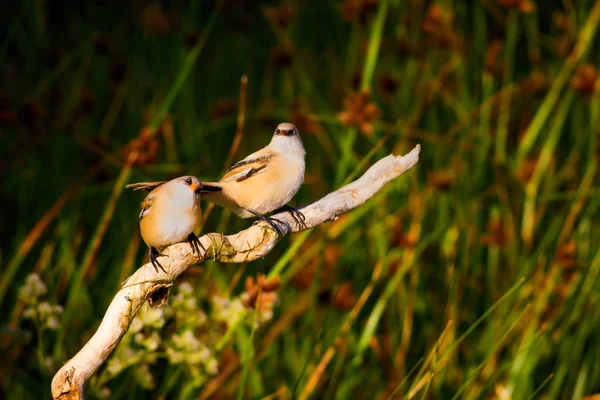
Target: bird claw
<point>296,215</point>
<point>275,226</point>
<point>154,254</point>
<point>195,243</point>
<point>269,221</point>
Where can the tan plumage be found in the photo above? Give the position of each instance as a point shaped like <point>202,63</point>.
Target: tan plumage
<point>264,181</point>
<point>170,213</point>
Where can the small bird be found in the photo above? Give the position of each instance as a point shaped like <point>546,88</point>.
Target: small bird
<point>170,212</point>
<point>264,181</point>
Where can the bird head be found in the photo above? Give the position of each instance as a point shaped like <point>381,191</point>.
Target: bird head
<point>192,183</point>
<point>287,138</point>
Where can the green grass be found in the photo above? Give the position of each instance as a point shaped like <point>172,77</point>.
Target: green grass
<point>476,274</point>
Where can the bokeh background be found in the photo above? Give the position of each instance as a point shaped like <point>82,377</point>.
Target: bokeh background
<point>474,275</point>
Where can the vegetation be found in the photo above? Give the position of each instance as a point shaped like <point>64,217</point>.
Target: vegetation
<point>473,276</point>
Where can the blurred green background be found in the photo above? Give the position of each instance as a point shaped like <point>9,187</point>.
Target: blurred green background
<point>474,275</point>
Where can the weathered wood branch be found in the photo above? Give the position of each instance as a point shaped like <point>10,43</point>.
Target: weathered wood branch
<point>247,245</point>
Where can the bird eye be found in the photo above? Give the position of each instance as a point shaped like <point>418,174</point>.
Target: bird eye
<point>188,181</point>
<point>277,131</point>
<point>292,131</point>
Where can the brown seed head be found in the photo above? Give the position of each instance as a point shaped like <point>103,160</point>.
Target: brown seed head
<point>566,254</point>
<point>345,298</point>
<point>155,20</point>
<point>497,235</point>
<point>388,85</point>
<point>281,16</point>
<point>526,170</point>
<point>360,10</point>
<point>442,180</point>
<point>222,108</point>
<point>263,286</point>
<point>585,80</point>
<point>360,112</point>
<point>524,6</point>
<point>282,57</point>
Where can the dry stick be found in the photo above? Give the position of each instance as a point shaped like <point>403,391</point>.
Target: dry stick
<point>247,245</point>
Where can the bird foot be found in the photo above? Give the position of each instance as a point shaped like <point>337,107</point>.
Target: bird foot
<point>154,254</point>
<point>195,243</point>
<point>297,216</point>
<point>270,221</point>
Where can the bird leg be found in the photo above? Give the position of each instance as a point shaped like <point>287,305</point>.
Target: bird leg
<point>154,254</point>
<point>267,220</point>
<point>195,243</point>
<point>298,217</point>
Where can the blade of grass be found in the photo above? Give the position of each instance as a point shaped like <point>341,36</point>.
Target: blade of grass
<point>536,393</point>
<point>584,43</point>
<point>496,348</point>
<point>312,382</point>
<point>40,227</point>
<point>377,313</point>
<point>249,350</point>
<point>367,77</point>
<point>237,139</point>
<point>473,326</point>
<point>512,34</point>
<point>76,284</point>
<point>290,252</point>
<point>189,62</point>
<point>532,187</point>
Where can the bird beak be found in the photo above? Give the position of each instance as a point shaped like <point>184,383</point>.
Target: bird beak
<point>196,188</point>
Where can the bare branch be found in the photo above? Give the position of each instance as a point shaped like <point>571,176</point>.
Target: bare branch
<point>247,245</point>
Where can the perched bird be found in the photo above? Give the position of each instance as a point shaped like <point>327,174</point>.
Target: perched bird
<point>264,181</point>
<point>170,212</point>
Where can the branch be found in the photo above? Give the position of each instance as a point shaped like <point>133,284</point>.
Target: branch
<point>247,245</point>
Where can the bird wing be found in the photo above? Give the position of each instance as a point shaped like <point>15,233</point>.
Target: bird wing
<point>146,205</point>
<point>250,166</point>
<point>147,186</point>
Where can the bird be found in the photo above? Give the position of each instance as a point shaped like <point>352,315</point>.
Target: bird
<point>265,181</point>
<point>170,213</point>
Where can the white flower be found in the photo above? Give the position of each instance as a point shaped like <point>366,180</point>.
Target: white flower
<point>136,325</point>
<point>152,342</point>
<point>144,376</point>
<point>174,356</point>
<point>152,317</point>
<point>104,393</point>
<point>114,366</point>
<point>212,367</point>
<point>186,288</point>
<point>52,323</point>
<point>33,288</point>
<point>30,313</point>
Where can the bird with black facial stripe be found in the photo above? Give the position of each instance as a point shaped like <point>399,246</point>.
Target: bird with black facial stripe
<point>265,181</point>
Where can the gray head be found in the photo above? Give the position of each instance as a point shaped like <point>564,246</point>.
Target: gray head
<point>287,138</point>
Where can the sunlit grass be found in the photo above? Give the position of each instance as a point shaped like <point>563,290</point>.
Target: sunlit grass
<point>476,275</point>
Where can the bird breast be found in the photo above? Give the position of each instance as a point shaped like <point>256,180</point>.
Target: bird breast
<point>168,224</point>
<point>272,189</point>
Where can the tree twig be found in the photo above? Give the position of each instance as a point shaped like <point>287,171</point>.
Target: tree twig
<point>247,245</point>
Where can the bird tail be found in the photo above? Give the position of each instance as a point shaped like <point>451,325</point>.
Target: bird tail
<point>210,187</point>
<point>147,186</point>
<point>216,193</point>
